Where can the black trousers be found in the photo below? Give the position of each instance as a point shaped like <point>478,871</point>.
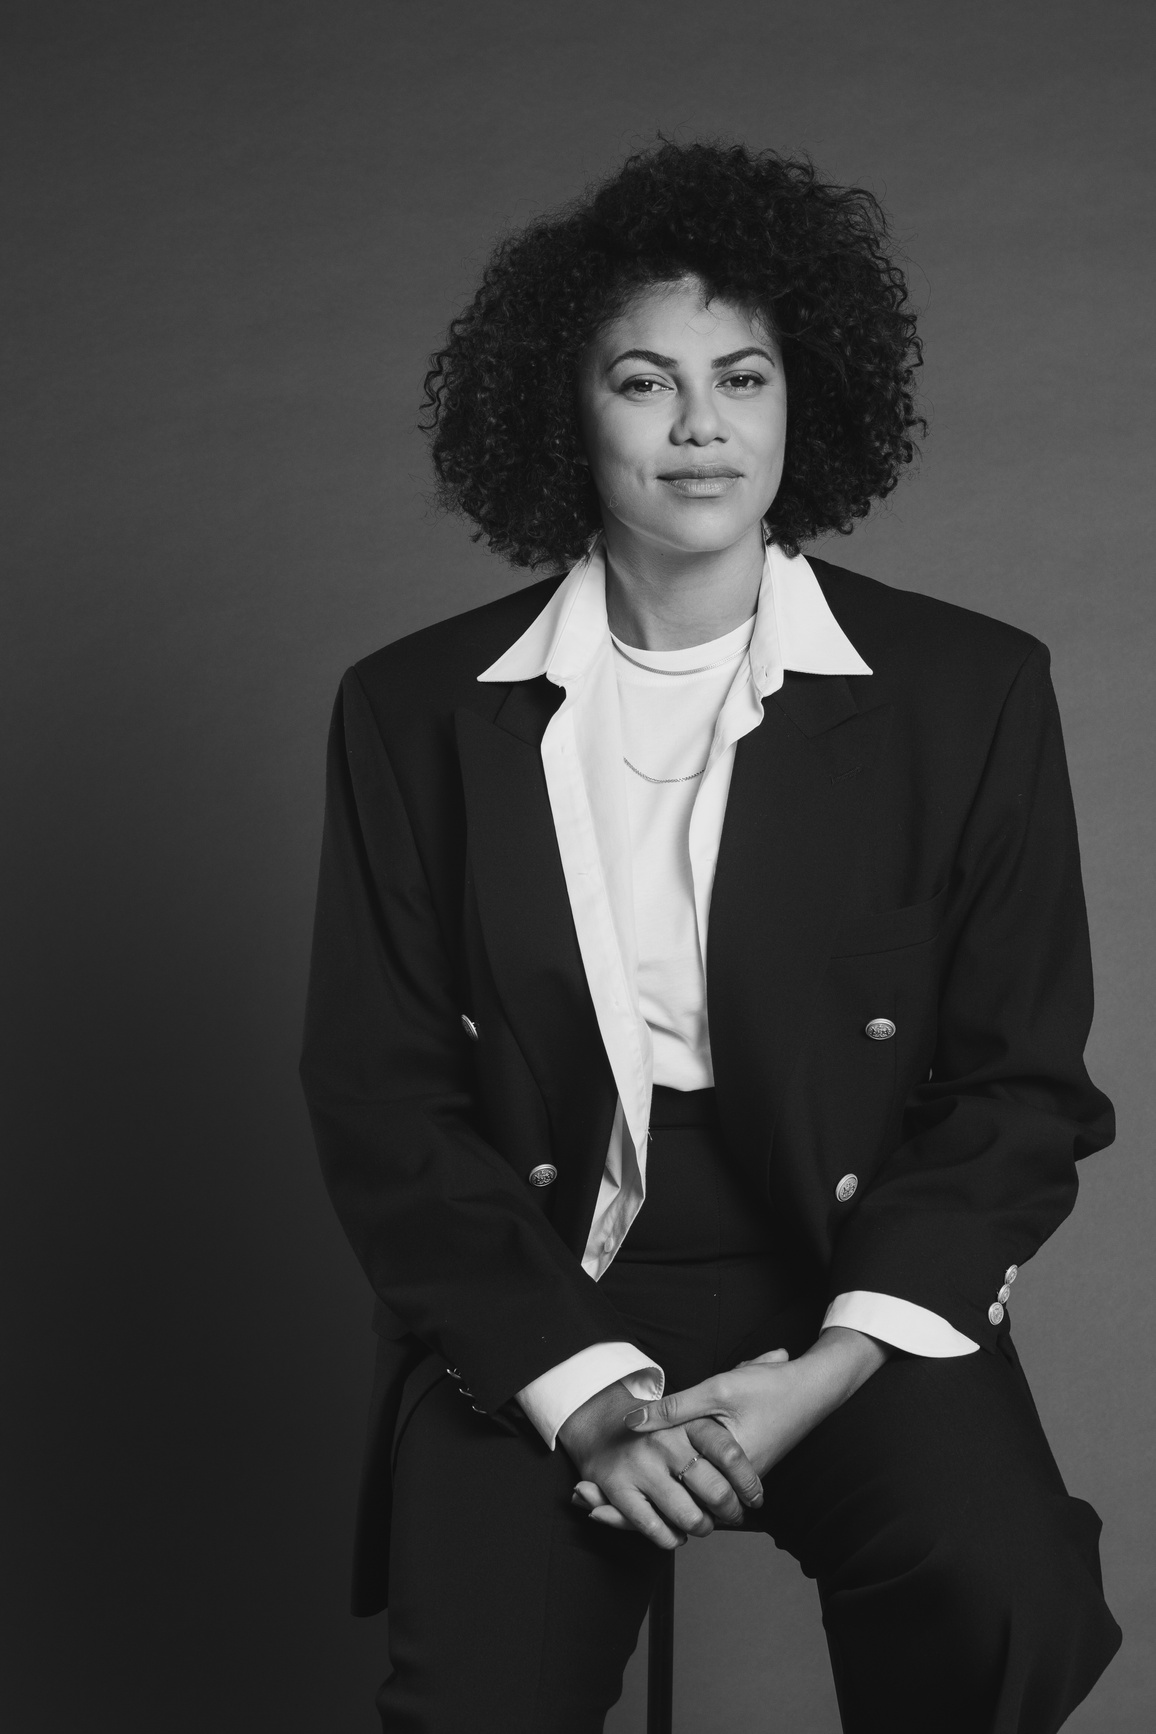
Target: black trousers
<point>959,1582</point>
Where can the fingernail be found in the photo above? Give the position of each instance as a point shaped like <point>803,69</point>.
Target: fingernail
<point>635,1417</point>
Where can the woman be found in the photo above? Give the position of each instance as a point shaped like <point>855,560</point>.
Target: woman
<point>699,994</point>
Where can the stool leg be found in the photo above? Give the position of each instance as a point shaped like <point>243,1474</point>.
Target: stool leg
<point>660,1653</point>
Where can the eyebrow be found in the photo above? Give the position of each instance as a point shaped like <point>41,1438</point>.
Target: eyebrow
<point>671,364</point>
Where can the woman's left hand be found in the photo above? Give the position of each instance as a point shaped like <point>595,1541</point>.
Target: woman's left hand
<point>770,1403</point>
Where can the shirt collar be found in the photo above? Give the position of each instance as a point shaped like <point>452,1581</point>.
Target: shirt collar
<point>794,627</point>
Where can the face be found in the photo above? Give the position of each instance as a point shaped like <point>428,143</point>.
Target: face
<point>683,415</point>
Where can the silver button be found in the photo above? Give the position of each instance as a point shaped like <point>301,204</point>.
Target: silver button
<point>544,1174</point>
<point>470,1027</point>
<point>1004,1294</point>
<point>880,1029</point>
<point>1011,1273</point>
<point>995,1314</point>
<point>847,1188</point>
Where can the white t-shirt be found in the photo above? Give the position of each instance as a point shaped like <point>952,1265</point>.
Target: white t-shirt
<point>670,702</point>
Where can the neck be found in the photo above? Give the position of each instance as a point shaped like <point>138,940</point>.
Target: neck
<point>668,600</point>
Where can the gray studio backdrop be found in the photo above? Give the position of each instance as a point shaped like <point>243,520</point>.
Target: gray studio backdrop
<point>234,232</point>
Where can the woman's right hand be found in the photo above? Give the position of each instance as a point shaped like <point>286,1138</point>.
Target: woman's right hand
<point>631,1480</point>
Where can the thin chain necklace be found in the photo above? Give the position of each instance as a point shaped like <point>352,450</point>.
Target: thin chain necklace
<point>649,668</point>
<point>646,779</point>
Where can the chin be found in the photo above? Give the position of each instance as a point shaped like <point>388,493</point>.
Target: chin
<point>705,532</point>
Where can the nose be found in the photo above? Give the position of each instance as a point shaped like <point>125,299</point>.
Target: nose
<point>697,421</point>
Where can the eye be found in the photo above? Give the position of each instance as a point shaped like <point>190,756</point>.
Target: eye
<point>640,386</point>
<point>745,382</point>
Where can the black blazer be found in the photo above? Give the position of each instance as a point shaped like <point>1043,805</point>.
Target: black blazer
<point>898,845</point>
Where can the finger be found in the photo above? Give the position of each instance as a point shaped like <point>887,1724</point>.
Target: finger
<point>773,1357</point>
<point>610,1517</point>
<point>689,1466</point>
<point>589,1493</point>
<point>682,1510</point>
<point>720,1447</point>
<point>673,1501</point>
<point>713,1492</point>
<point>681,1406</point>
<point>651,1480</point>
<point>643,1517</point>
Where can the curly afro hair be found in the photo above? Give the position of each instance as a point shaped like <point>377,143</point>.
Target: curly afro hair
<point>757,229</point>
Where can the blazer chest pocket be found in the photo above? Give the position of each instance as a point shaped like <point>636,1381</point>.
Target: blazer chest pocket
<point>890,929</point>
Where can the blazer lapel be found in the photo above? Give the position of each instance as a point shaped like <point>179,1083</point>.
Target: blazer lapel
<point>531,944</point>
<point>798,795</point>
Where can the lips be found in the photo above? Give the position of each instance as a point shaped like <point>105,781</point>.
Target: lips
<point>705,482</point>
<point>699,473</point>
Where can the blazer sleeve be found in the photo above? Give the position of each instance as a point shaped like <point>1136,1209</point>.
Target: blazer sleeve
<point>986,1166</point>
<point>448,1234</point>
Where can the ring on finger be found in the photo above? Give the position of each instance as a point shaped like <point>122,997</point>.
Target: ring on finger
<point>687,1467</point>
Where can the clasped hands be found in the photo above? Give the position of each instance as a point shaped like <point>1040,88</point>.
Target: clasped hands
<point>687,1463</point>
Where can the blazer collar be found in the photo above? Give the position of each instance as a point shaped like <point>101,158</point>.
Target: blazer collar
<point>795,629</point>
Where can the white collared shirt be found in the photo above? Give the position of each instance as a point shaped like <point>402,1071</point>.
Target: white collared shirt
<point>586,779</point>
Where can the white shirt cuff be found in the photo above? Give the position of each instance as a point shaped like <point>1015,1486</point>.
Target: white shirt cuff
<point>553,1397</point>
<point>898,1322</point>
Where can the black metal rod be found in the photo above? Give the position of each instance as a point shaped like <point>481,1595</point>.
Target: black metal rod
<point>660,1652</point>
